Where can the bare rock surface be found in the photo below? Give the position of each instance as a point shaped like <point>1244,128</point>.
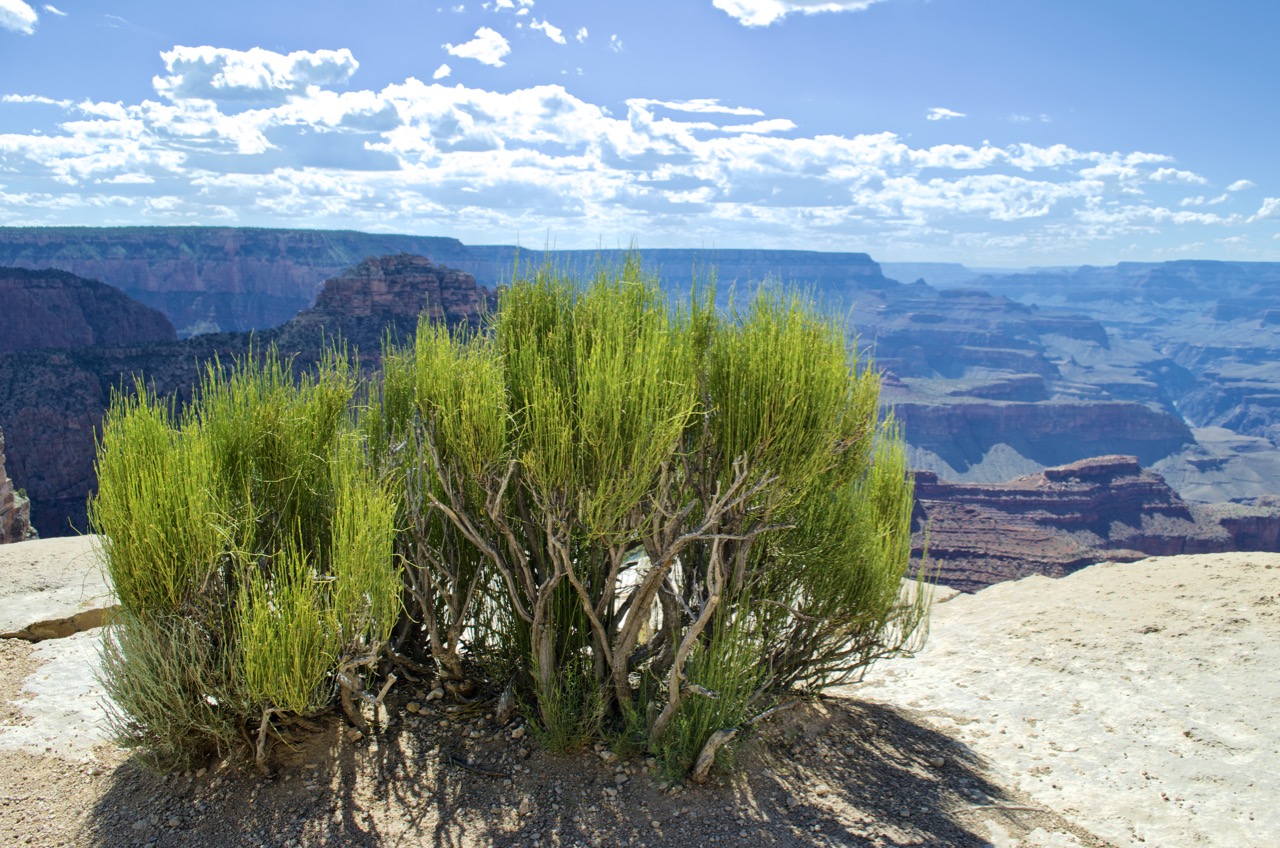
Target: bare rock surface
<point>1136,699</point>
<point>1126,704</point>
<point>52,588</point>
<point>830,772</point>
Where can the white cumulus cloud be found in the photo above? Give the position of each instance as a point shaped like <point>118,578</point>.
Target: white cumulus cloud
<point>582,34</point>
<point>940,113</point>
<point>1241,185</point>
<point>441,72</point>
<point>1270,209</point>
<point>1170,175</point>
<point>256,75</point>
<point>615,43</point>
<point>423,156</point>
<point>550,31</point>
<point>488,47</point>
<point>18,16</point>
<point>766,12</point>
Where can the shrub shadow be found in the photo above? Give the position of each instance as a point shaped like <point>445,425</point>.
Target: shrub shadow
<point>833,771</point>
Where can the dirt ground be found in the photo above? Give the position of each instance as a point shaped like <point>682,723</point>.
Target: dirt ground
<point>831,772</point>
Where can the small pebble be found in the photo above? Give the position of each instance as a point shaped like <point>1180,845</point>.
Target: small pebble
<point>413,706</point>
<point>937,762</point>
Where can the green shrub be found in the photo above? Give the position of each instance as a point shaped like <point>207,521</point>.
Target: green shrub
<point>256,517</point>
<point>646,523</point>
<point>741,454</point>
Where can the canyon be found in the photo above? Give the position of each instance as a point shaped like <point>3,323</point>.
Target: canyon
<point>991,377</point>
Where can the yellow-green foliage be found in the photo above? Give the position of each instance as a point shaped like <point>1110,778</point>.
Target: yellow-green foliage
<point>157,505</point>
<point>364,594</point>
<point>257,515</point>
<point>289,638</point>
<point>741,453</point>
<point>518,474</point>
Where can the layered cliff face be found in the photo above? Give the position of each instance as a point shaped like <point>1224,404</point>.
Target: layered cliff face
<point>52,402</point>
<point>55,309</point>
<point>962,439</point>
<point>1064,518</point>
<point>15,510</point>
<point>209,279</point>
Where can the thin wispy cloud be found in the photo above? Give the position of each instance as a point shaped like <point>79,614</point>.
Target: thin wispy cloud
<point>18,16</point>
<point>488,47</point>
<point>615,43</point>
<point>54,10</point>
<point>939,113</point>
<point>759,13</point>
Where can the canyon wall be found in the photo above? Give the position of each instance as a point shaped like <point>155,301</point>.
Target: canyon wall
<point>1064,518</point>
<point>55,309</point>
<point>52,401</point>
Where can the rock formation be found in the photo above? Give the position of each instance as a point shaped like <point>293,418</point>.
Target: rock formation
<point>1064,518</point>
<point>52,402</point>
<point>55,309</point>
<point>15,510</point>
<point>386,294</point>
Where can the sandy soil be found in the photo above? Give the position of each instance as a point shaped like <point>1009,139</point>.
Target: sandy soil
<point>1122,704</point>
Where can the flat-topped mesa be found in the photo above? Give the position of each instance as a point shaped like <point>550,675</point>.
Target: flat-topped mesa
<point>15,510</point>
<point>55,309</point>
<point>1064,518</point>
<point>384,294</point>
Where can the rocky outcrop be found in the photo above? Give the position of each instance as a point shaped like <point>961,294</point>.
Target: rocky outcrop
<point>386,294</point>
<point>1067,517</point>
<point>15,509</point>
<point>52,402</point>
<point>55,309</point>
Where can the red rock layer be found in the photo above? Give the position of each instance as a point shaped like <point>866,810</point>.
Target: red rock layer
<point>54,309</point>
<point>1064,518</point>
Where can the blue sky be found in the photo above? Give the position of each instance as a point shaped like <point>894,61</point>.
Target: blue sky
<point>991,132</point>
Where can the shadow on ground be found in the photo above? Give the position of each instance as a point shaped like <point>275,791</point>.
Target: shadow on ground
<point>834,771</point>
